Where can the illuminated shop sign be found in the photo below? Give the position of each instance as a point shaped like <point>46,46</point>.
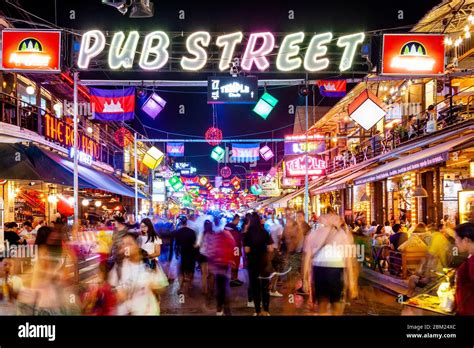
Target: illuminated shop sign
<point>413,54</point>
<point>31,50</point>
<point>296,145</point>
<point>182,165</point>
<point>82,158</point>
<point>63,133</point>
<point>151,52</point>
<point>232,90</point>
<point>296,166</point>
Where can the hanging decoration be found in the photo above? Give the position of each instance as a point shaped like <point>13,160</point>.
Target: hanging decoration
<point>256,189</point>
<point>176,183</point>
<point>213,135</point>
<point>217,153</point>
<point>265,105</point>
<point>153,158</point>
<point>123,137</point>
<point>226,172</point>
<point>245,153</point>
<point>175,149</point>
<point>266,153</point>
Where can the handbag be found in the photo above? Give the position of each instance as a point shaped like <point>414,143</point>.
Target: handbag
<point>159,280</point>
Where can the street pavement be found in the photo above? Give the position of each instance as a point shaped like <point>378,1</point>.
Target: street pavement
<point>371,301</point>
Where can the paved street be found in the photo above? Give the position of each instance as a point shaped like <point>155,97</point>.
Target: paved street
<point>371,301</point>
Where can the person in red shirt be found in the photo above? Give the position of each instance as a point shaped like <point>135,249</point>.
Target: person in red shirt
<point>465,272</point>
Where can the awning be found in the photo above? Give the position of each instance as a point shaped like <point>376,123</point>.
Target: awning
<point>339,184</point>
<point>15,163</point>
<point>93,178</point>
<point>415,161</point>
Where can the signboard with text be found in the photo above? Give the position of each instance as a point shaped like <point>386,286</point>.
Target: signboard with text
<point>31,50</point>
<point>63,133</point>
<point>413,54</point>
<point>232,90</point>
<point>297,145</point>
<point>295,166</point>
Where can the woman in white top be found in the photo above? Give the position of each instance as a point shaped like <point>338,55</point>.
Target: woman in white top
<point>150,243</point>
<point>133,281</point>
<point>330,261</point>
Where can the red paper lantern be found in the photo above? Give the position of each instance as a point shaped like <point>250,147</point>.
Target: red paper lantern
<point>213,136</point>
<point>123,137</point>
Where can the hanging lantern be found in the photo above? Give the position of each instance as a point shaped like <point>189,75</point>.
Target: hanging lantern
<point>235,181</point>
<point>366,110</point>
<point>123,137</point>
<point>266,153</point>
<point>217,153</point>
<point>203,181</point>
<point>176,183</point>
<point>153,158</point>
<point>226,172</point>
<point>213,136</point>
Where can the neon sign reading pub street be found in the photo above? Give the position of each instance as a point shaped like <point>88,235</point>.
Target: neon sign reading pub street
<point>256,53</point>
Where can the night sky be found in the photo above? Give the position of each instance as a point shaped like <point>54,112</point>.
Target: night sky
<point>226,16</point>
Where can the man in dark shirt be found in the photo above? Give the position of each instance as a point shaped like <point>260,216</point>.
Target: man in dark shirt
<point>398,238</point>
<point>234,231</point>
<point>11,236</point>
<point>186,247</point>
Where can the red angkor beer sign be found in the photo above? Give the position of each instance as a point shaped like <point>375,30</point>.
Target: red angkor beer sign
<point>413,54</point>
<point>31,50</point>
<point>296,166</point>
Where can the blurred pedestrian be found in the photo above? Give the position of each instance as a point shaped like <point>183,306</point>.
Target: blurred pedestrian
<point>220,252</point>
<point>185,239</point>
<point>258,248</point>
<point>332,269</point>
<point>465,272</point>
<point>134,283</point>
<point>235,232</point>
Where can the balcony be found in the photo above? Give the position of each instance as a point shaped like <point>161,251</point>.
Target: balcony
<point>415,128</point>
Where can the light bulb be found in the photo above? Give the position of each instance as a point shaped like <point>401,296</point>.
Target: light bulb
<point>85,202</point>
<point>52,199</point>
<point>30,90</point>
<point>467,35</point>
<point>98,204</point>
<point>89,130</point>
<point>466,28</point>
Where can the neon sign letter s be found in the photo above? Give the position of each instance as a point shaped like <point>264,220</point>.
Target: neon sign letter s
<point>159,51</point>
<point>193,46</point>
<point>90,49</point>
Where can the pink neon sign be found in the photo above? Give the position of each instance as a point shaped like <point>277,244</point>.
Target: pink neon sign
<point>297,166</point>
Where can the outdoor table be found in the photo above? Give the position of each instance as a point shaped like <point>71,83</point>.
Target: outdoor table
<point>423,304</point>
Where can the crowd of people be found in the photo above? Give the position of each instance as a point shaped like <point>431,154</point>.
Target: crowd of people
<point>272,256</point>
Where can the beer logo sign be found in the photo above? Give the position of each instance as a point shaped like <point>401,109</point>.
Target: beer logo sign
<point>413,57</point>
<point>417,54</point>
<point>32,51</point>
